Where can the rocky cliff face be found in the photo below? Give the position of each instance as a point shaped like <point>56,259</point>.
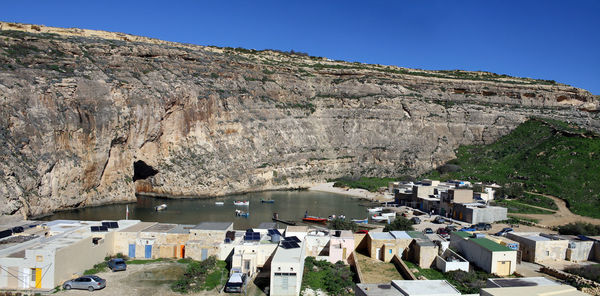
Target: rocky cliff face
<point>79,108</point>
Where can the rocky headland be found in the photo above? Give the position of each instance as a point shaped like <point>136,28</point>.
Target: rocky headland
<point>90,117</point>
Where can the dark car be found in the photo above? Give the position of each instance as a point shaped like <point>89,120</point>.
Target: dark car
<point>482,226</point>
<point>236,283</point>
<point>428,230</point>
<point>439,220</point>
<point>87,282</point>
<point>415,220</point>
<point>451,228</point>
<point>503,232</point>
<point>117,264</point>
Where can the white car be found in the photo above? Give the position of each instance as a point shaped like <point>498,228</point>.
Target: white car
<point>236,283</point>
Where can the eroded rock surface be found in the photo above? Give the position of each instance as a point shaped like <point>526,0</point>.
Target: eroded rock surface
<point>79,108</point>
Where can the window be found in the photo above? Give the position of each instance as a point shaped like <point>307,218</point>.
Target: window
<point>39,258</point>
<point>33,275</point>
<point>547,253</point>
<point>390,251</point>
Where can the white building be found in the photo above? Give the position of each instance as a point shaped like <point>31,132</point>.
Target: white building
<point>287,268</point>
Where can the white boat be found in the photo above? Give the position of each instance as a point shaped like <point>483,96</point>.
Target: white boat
<point>361,221</point>
<point>379,218</point>
<point>241,202</point>
<point>161,207</point>
<point>219,203</point>
<point>393,214</point>
<point>375,210</point>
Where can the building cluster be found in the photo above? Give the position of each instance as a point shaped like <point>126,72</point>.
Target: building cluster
<point>452,199</point>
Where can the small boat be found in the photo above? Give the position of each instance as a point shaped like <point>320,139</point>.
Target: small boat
<point>380,218</point>
<point>375,210</point>
<point>267,201</point>
<point>161,207</point>
<point>241,202</point>
<point>219,203</point>
<point>241,213</point>
<point>276,219</point>
<point>361,221</point>
<point>392,214</point>
<point>314,219</point>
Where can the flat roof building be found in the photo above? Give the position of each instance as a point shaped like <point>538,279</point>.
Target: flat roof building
<point>484,253</point>
<point>408,288</point>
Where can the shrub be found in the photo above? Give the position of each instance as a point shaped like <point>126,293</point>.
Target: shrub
<point>342,224</point>
<point>579,228</point>
<point>400,223</point>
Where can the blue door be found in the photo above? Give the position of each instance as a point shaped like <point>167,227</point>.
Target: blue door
<point>204,254</point>
<point>131,251</point>
<point>148,253</point>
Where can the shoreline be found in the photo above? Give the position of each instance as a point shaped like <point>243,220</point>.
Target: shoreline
<point>352,192</point>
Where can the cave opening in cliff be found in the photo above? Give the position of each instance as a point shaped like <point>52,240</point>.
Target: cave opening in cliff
<point>142,171</point>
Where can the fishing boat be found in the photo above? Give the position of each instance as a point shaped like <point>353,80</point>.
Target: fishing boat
<point>375,210</point>
<point>361,221</point>
<point>267,201</point>
<point>392,214</point>
<point>161,207</point>
<point>219,203</point>
<point>314,219</point>
<point>241,213</point>
<point>276,219</point>
<point>379,218</point>
<point>241,202</point>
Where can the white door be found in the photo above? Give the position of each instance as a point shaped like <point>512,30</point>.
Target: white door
<point>378,254</point>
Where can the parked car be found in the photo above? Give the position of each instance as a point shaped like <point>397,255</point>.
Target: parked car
<point>117,264</point>
<point>467,229</point>
<point>439,220</point>
<point>87,282</point>
<point>482,226</point>
<point>451,228</point>
<point>415,220</point>
<point>503,232</point>
<point>428,230</point>
<point>236,283</point>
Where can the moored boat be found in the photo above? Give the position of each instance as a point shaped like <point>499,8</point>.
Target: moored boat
<point>219,203</point>
<point>241,202</point>
<point>241,213</point>
<point>361,221</point>
<point>380,218</point>
<point>375,210</point>
<point>392,214</point>
<point>160,207</point>
<point>314,219</point>
<point>267,201</point>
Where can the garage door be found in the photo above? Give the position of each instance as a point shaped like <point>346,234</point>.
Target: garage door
<point>503,268</point>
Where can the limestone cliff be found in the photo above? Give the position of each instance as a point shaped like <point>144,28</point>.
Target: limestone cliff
<point>80,107</point>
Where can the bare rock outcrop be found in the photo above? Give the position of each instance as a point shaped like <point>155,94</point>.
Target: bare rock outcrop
<point>80,107</point>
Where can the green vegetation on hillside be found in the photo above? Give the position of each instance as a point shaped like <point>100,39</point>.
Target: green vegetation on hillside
<point>543,155</point>
<point>578,228</point>
<point>335,279</point>
<point>368,183</point>
<point>514,206</point>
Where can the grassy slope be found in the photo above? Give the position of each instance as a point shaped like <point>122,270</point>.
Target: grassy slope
<point>546,156</point>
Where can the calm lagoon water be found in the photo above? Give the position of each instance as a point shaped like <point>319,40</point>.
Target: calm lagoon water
<point>290,205</point>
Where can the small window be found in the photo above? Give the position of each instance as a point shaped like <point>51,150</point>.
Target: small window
<point>39,258</point>
<point>390,251</point>
<point>33,274</point>
<point>547,253</point>
<point>291,268</point>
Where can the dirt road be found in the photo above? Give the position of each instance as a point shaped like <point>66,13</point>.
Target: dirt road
<point>561,217</point>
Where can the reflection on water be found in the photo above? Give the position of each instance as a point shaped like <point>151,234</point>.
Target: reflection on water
<point>290,205</point>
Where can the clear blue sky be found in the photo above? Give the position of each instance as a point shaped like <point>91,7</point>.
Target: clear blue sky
<point>557,40</point>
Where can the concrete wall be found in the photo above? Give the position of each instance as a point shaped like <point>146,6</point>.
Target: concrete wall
<point>482,257</point>
<point>583,251</point>
<point>510,256</point>
<point>279,277</point>
<point>256,255</point>
<point>337,245</point>
<point>72,260</point>
<point>385,245</point>
<point>488,214</point>
<point>461,195</point>
<point>424,255</point>
<point>540,250</point>
<point>403,269</point>
<point>446,266</point>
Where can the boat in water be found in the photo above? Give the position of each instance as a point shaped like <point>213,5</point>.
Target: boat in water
<point>241,202</point>
<point>219,203</point>
<point>313,219</point>
<point>361,221</point>
<point>267,201</point>
<point>287,222</point>
<point>161,207</point>
<point>375,210</point>
<point>392,214</point>
<point>242,213</point>
<point>380,218</point>
<point>336,217</point>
